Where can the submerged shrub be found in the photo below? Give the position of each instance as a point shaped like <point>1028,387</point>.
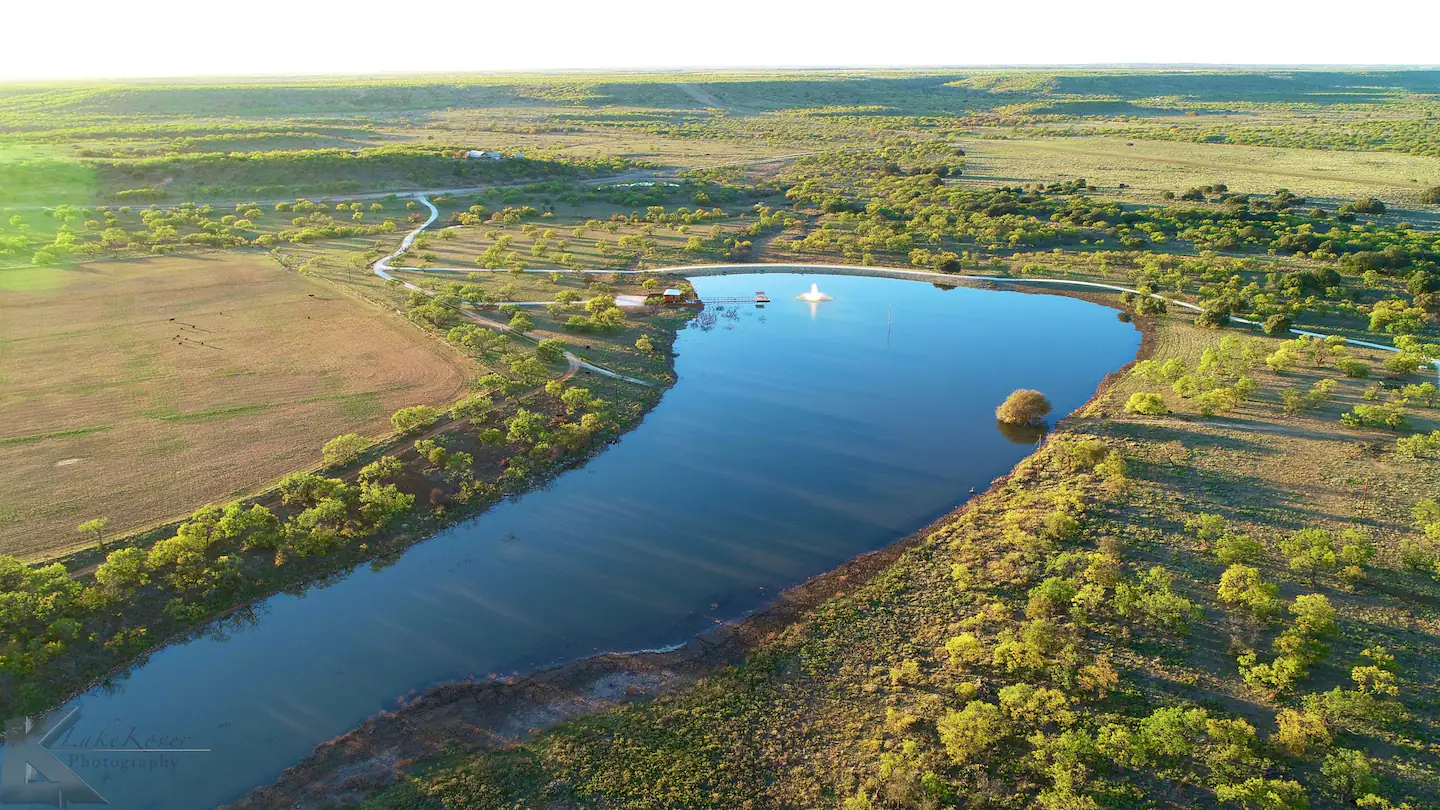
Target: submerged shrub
<point>1023,407</point>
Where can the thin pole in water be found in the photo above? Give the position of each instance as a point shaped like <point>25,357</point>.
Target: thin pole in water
<point>889,319</point>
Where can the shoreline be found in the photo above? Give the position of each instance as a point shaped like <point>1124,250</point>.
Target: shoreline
<point>473,716</point>
<point>427,527</point>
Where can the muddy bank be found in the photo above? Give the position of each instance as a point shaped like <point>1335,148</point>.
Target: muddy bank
<point>476,716</point>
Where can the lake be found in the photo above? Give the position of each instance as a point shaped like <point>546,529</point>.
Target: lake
<point>797,437</point>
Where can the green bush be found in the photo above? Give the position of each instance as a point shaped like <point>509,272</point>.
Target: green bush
<point>342,449</point>
<point>1364,205</point>
<point>522,323</point>
<point>972,730</point>
<point>1277,325</point>
<point>551,350</point>
<point>407,420</point>
<point>1146,404</point>
<point>1351,367</point>
<point>473,406</point>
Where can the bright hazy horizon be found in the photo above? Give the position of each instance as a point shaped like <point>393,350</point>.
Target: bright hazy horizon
<point>268,37</point>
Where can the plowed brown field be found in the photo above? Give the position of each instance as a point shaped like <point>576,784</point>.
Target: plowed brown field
<point>140,390</point>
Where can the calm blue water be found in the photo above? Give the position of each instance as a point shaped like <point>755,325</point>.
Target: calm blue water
<point>796,438</point>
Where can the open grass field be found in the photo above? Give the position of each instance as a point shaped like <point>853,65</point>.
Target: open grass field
<point>598,247</point>
<point>1150,167</point>
<point>137,390</point>
<point>564,132</point>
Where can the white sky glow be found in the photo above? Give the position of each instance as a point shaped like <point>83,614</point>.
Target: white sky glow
<point>167,38</point>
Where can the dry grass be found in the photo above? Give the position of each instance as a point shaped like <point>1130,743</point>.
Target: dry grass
<point>257,369</point>
<point>1155,166</point>
<point>486,129</point>
<point>470,242</point>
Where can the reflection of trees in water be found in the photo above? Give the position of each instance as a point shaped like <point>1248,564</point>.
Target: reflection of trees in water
<point>710,317</point>
<point>114,683</point>
<point>1022,434</point>
<point>220,630</point>
<point>242,618</point>
<point>384,561</point>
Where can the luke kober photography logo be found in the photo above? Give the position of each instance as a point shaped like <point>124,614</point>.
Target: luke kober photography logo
<point>41,760</point>
<point>30,773</point>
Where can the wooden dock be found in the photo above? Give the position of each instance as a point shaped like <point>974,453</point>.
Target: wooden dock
<point>759,299</point>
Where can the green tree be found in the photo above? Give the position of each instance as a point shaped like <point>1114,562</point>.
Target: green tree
<point>1152,600</point>
<point>1169,735</point>
<point>93,530</point>
<point>1050,598</point>
<point>527,426</point>
<point>380,469</point>
<point>521,323</point>
<point>478,339</point>
<point>1364,205</point>
<point>965,649</point>
<point>1282,360</point>
<point>578,399</point>
<point>123,571</point>
<point>1352,367</point>
<point>1403,364</point>
<point>1238,548</point>
<point>408,420</point>
<point>551,350</point>
<point>1242,586</point>
<point>474,406</point>
<point>1314,615</point>
<point>1310,553</point>
<point>529,370</point>
<point>256,527</point>
<point>1146,404</point>
<point>1347,774</point>
<point>380,504</point>
<point>1214,315</point>
<point>1298,732</point>
<point>1277,325</point>
<point>1033,706</point>
<point>343,449</point>
<point>1258,793</point>
<point>972,730</point>
<point>1206,527</point>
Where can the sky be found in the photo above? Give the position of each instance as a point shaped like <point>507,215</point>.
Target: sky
<point>170,38</point>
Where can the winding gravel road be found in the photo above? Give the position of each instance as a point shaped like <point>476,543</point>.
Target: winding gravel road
<point>381,267</point>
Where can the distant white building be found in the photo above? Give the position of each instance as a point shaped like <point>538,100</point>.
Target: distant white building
<point>475,154</point>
